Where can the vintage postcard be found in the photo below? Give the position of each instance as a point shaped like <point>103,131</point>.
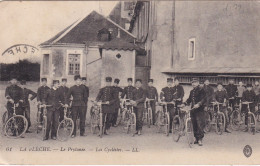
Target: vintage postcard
<point>130,82</point>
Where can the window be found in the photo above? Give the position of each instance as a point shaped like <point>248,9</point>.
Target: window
<point>191,53</point>
<point>118,56</point>
<point>74,64</point>
<point>45,64</point>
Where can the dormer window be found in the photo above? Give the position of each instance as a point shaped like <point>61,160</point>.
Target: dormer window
<point>104,35</point>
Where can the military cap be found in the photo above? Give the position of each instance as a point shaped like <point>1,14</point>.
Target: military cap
<point>44,79</point>
<point>76,77</point>
<point>202,81</point>
<point>219,83</point>
<point>194,80</point>
<point>150,80</point>
<point>129,79</point>
<point>138,80</point>
<point>64,79</point>
<point>108,79</point>
<point>116,81</point>
<point>249,85</point>
<point>83,78</point>
<point>23,82</point>
<point>55,81</point>
<point>169,80</point>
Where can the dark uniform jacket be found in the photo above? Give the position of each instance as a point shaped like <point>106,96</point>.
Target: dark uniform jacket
<point>249,96</point>
<point>167,94</point>
<point>41,92</point>
<point>64,91</point>
<point>14,92</point>
<point>86,93</point>
<point>107,94</point>
<point>128,92</point>
<point>53,97</point>
<point>178,92</point>
<point>231,90</point>
<point>78,93</point>
<point>220,96</point>
<point>26,93</point>
<point>152,93</point>
<point>139,96</point>
<point>117,90</point>
<point>197,96</point>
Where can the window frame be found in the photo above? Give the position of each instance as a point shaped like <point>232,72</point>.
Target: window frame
<point>74,52</point>
<point>192,53</point>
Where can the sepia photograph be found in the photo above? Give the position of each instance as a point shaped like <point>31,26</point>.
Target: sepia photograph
<point>130,82</point>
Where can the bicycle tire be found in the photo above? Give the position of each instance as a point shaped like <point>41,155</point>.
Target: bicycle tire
<point>252,123</point>
<point>207,123</point>
<point>220,124</point>
<point>4,118</point>
<point>235,120</point>
<point>65,129</point>
<point>38,121</point>
<point>133,124</point>
<point>119,117</point>
<point>92,124</point>
<point>100,125</point>
<point>44,127</point>
<point>167,123</point>
<point>158,121</point>
<point>150,117</point>
<point>104,125</point>
<point>13,123</point>
<point>177,128</point>
<point>189,133</point>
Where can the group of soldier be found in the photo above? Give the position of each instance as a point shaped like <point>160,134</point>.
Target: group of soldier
<point>76,97</point>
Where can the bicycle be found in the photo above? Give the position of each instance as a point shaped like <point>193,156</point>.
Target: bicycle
<point>183,127</point>
<point>16,125</point>
<point>130,117</point>
<point>96,118</point>
<point>218,119</point>
<point>148,114</point>
<point>237,118</point>
<point>66,126</point>
<point>251,119</point>
<point>44,119</point>
<point>163,118</point>
<point>4,118</point>
<point>121,114</point>
<point>258,112</point>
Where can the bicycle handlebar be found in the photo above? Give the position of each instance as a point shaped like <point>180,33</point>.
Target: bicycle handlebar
<point>44,106</point>
<point>216,103</point>
<point>246,102</point>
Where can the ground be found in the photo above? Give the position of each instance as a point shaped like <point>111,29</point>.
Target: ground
<point>119,147</point>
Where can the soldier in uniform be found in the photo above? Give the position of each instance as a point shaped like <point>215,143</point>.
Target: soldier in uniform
<point>41,92</point>
<point>84,82</point>
<point>209,92</point>
<point>248,96</point>
<point>117,90</point>
<point>139,96</point>
<point>64,91</point>
<point>53,97</point>
<point>231,92</point>
<point>196,100</point>
<point>256,89</point>
<point>178,92</point>
<point>240,90</point>
<point>26,103</point>
<point>221,96</point>
<point>14,95</point>
<point>167,96</point>
<point>107,95</point>
<point>128,91</point>
<point>78,93</point>
<point>152,94</point>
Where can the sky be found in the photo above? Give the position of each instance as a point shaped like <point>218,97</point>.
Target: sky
<point>33,22</point>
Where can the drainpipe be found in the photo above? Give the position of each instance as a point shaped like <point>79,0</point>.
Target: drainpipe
<point>172,33</point>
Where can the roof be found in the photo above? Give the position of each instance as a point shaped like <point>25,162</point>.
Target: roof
<point>217,70</point>
<point>86,30</point>
<point>121,44</point>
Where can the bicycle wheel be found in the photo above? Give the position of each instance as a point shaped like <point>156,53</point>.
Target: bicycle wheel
<point>16,126</point>
<point>166,124</point>
<point>252,123</point>
<point>145,116</point>
<point>207,123</point>
<point>65,129</point>
<point>220,125</point>
<point>189,132</point>
<point>101,125</point>
<point>177,128</point>
<point>119,117</point>
<point>159,121</point>
<point>4,118</point>
<point>150,117</point>
<point>38,122</point>
<point>44,127</point>
<point>235,121</point>
<point>93,123</point>
<point>133,124</point>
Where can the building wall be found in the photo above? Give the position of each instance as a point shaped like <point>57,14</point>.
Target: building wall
<point>227,33</point>
<point>122,68</point>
